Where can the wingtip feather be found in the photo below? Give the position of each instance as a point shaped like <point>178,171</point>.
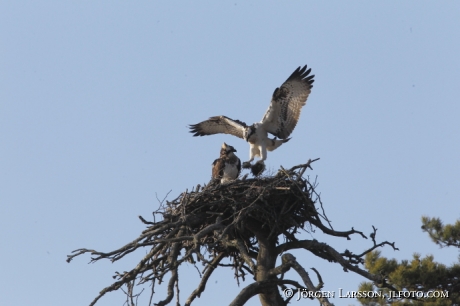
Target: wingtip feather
<point>302,73</point>
<point>195,129</point>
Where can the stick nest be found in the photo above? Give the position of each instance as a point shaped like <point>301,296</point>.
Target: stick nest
<point>280,204</point>
<point>216,222</point>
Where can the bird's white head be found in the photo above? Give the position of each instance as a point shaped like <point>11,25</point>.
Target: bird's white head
<point>249,131</point>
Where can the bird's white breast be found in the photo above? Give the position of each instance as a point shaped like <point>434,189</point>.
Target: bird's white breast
<point>230,172</point>
<point>259,136</point>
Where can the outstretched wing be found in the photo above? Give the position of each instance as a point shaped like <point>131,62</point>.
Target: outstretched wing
<point>283,113</point>
<point>218,125</point>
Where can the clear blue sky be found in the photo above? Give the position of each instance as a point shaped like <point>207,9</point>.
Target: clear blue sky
<point>95,99</point>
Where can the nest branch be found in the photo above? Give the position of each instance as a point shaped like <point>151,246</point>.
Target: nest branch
<point>214,222</point>
<point>358,258</point>
<point>207,273</point>
<point>289,261</point>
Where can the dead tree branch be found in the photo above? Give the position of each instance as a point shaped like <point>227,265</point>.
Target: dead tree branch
<point>237,225</point>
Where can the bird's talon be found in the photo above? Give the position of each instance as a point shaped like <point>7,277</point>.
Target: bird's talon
<point>246,165</point>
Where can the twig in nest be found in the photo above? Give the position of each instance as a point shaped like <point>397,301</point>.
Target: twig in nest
<point>231,222</point>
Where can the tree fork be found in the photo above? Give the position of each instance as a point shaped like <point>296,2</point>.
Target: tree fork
<point>237,225</point>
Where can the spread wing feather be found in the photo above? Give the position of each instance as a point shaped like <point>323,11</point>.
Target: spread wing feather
<point>218,125</point>
<point>283,113</point>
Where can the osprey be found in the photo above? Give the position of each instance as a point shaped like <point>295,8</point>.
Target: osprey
<point>279,120</point>
<point>228,166</point>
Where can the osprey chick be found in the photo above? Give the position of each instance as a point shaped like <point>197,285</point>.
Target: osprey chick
<point>279,120</point>
<point>228,166</point>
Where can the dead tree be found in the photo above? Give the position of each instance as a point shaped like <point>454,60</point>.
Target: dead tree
<point>247,223</point>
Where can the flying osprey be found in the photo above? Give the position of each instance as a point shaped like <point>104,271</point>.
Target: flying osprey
<point>228,166</point>
<point>279,120</point>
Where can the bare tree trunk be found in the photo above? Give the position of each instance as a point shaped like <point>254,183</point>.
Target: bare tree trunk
<point>266,260</point>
